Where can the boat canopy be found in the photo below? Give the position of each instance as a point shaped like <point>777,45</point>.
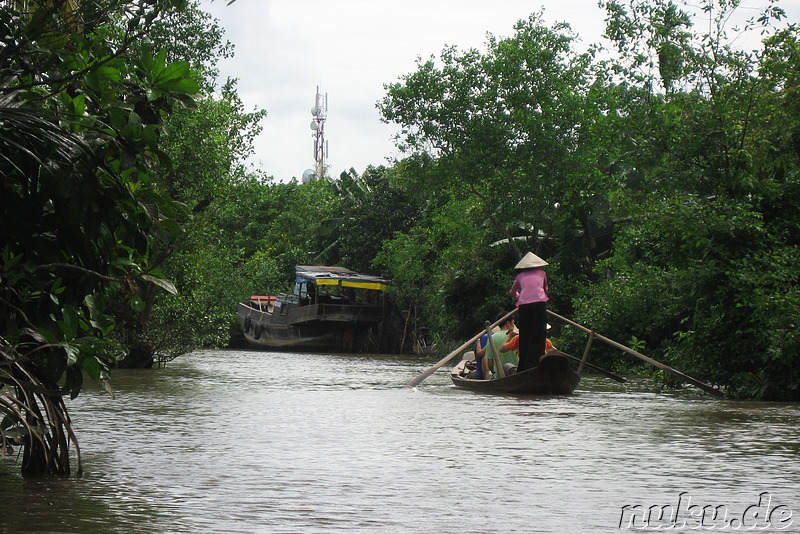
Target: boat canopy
<point>339,276</point>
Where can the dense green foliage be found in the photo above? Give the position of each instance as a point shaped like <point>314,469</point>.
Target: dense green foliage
<point>504,151</point>
<point>686,148</point>
<point>661,183</point>
<point>702,269</point>
<point>81,119</point>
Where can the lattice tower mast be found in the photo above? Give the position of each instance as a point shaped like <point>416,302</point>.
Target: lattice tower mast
<point>320,113</point>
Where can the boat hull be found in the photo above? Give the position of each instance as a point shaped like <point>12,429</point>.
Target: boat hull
<point>320,326</point>
<point>553,376</point>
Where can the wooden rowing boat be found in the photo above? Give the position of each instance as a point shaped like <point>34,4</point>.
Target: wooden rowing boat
<point>553,376</point>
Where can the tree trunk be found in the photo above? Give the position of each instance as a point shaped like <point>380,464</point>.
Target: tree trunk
<point>141,356</point>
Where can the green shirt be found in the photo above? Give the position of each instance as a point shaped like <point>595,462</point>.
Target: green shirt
<point>498,338</point>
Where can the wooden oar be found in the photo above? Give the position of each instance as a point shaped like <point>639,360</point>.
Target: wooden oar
<point>498,368</point>
<point>686,378</point>
<point>428,372</point>
<point>600,370</point>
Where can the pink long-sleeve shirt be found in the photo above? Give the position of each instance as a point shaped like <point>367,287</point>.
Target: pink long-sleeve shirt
<point>529,286</point>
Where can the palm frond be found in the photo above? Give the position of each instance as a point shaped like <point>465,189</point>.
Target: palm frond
<point>35,135</point>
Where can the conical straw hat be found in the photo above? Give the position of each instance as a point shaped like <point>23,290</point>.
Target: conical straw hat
<point>530,261</point>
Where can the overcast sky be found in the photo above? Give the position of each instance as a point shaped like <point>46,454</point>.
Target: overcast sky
<point>350,49</point>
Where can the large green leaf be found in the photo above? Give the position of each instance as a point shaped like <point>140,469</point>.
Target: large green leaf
<point>163,283</point>
<point>92,367</point>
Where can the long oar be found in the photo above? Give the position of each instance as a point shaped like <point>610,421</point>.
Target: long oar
<point>428,372</point>
<point>600,370</point>
<point>651,361</point>
<point>498,368</point>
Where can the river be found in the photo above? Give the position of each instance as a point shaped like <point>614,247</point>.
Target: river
<point>247,442</point>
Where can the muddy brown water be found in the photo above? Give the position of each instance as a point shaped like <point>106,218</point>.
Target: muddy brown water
<point>248,442</point>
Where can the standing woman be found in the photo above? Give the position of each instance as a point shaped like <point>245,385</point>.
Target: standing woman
<point>529,290</point>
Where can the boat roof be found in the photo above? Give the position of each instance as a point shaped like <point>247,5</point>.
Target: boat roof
<point>329,275</point>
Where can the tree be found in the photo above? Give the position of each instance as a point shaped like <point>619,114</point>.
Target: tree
<point>519,139</point>
<point>81,118</point>
<point>701,267</point>
<point>514,127</point>
<point>369,210</point>
<point>205,146</point>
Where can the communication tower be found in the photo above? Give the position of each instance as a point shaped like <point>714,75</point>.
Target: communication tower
<point>320,113</point>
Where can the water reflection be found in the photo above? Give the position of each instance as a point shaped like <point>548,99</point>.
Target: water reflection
<point>262,442</point>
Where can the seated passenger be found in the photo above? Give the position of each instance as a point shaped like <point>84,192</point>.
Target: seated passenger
<point>481,369</point>
<point>485,353</point>
<point>512,345</point>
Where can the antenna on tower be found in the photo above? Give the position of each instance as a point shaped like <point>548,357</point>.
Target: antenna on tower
<point>320,113</point>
